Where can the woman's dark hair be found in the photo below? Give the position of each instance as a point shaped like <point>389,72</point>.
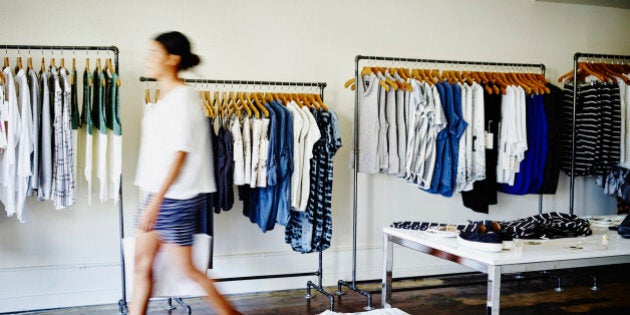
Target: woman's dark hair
<point>177,44</point>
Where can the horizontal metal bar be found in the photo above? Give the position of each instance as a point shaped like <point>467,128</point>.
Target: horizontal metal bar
<point>459,62</point>
<point>245,82</point>
<point>286,275</point>
<point>579,55</point>
<point>113,49</point>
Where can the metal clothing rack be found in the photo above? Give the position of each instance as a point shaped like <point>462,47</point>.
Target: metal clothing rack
<point>352,285</point>
<point>115,51</point>
<point>604,58</point>
<point>319,273</point>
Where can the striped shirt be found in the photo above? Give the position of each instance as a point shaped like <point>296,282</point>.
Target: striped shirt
<point>597,128</point>
<point>63,169</point>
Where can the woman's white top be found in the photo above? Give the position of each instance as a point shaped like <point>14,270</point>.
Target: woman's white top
<point>176,123</point>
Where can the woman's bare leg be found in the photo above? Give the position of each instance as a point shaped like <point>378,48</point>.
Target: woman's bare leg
<point>147,246</point>
<point>181,258</point>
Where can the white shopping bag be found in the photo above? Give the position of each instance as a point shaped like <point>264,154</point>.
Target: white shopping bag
<point>168,282</point>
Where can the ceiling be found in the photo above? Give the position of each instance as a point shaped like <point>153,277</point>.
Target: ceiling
<point>624,4</point>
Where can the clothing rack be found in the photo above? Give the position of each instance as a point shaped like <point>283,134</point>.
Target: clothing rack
<point>319,273</point>
<point>605,58</point>
<point>352,285</point>
<point>115,51</point>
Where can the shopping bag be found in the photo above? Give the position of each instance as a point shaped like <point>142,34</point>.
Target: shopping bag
<point>167,281</point>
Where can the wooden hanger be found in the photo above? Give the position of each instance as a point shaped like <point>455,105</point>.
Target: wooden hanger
<point>211,105</point>
<point>43,65</point>
<point>321,102</point>
<point>391,82</point>
<point>6,62</point>
<point>109,65</point>
<point>542,84</point>
<point>257,100</point>
<point>157,96</point>
<point>98,65</point>
<point>516,81</point>
<point>204,103</point>
<point>223,104</point>
<point>147,96</point>
<point>63,62</point>
<point>351,83</point>
<point>87,64</point>
<point>29,63</point>
<point>234,100</point>
<point>493,82</point>
<point>536,86</point>
<point>2,78</point>
<point>248,98</point>
<point>18,65</point>
<point>311,100</point>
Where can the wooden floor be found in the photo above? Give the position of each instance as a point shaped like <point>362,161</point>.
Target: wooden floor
<point>461,295</point>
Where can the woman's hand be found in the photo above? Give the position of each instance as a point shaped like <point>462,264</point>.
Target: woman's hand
<point>150,213</point>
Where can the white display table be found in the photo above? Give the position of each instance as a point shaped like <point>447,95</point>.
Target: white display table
<point>523,257</point>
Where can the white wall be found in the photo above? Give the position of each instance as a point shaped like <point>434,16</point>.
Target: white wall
<point>70,257</point>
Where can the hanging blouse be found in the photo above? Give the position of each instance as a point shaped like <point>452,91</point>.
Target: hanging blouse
<point>368,124</point>
<point>25,144</point>
<point>8,170</point>
<point>35,110</point>
<point>44,190</point>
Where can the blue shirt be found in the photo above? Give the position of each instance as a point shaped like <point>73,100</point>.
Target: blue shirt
<point>266,212</point>
<point>283,192</point>
<point>456,128</point>
<point>440,144</point>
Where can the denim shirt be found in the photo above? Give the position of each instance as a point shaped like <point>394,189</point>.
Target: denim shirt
<point>267,211</point>
<point>285,166</point>
<point>442,145</point>
<point>456,128</point>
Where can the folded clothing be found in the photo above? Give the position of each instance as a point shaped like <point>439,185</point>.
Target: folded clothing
<point>485,232</point>
<point>624,227</point>
<point>542,226</point>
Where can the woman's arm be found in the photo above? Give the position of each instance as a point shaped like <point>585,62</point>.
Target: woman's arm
<point>150,213</point>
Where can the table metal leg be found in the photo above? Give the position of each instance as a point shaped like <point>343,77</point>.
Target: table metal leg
<point>388,262</point>
<point>494,290</point>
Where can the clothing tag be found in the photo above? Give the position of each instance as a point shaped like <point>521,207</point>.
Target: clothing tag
<point>489,140</point>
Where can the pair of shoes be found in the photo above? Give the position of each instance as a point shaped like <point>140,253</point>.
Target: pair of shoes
<point>485,235</point>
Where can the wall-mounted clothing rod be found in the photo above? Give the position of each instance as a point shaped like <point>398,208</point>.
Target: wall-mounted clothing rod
<point>352,285</point>
<point>246,82</point>
<point>576,57</point>
<point>453,62</point>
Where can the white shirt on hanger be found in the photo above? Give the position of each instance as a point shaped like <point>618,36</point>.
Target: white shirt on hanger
<point>4,108</point>
<point>393,161</point>
<point>368,125</point>
<point>35,108</point>
<point>479,137</point>
<point>247,150</point>
<point>45,177</point>
<point>8,170</point>
<point>256,139</point>
<point>298,153</point>
<point>264,153</point>
<point>311,138</point>
<point>464,158</point>
<point>239,152</point>
<point>25,143</point>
